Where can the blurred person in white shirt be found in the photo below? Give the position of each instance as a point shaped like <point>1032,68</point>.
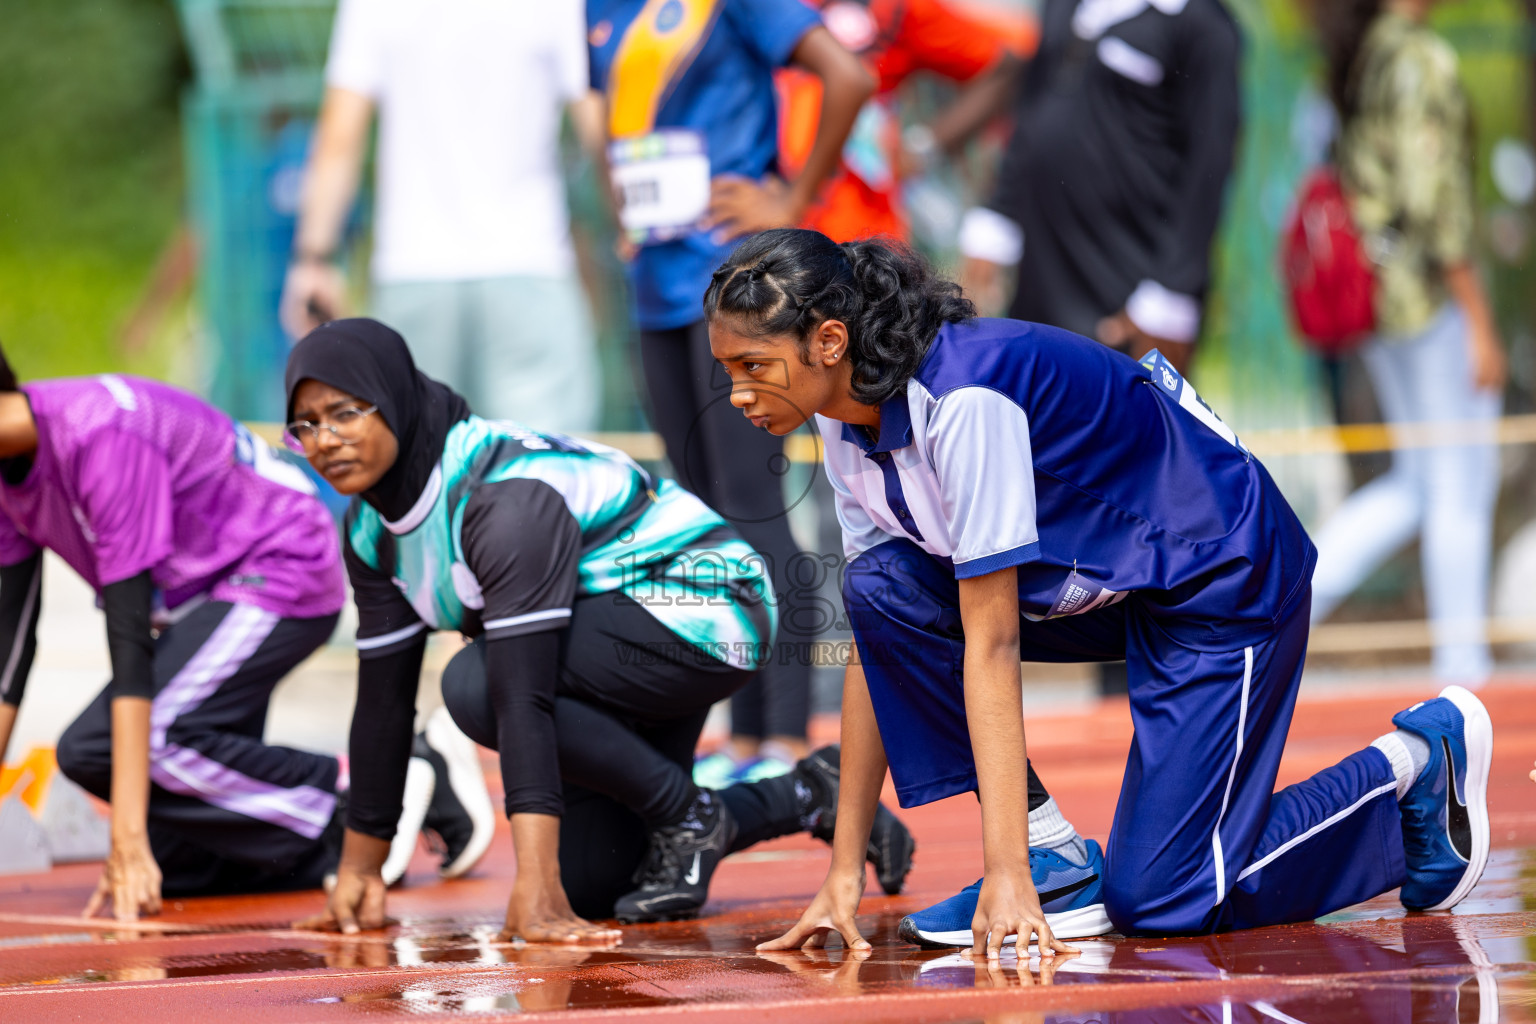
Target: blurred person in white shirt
<point>472,255</point>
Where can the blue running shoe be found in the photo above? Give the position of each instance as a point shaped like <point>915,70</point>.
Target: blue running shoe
<point>1072,896</point>
<point>1445,813</point>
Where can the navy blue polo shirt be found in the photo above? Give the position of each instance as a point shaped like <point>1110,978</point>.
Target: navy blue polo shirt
<point>1020,445</point>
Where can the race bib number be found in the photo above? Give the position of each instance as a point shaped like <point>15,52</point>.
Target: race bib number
<point>663,180</point>
<point>1171,383</point>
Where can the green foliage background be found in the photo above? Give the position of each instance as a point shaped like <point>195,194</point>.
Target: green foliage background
<point>92,187</point>
<point>90,176</point>
<point>1250,365</point>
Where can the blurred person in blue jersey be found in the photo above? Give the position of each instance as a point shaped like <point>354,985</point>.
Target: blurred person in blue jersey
<point>693,127</point>
<point>472,256</point>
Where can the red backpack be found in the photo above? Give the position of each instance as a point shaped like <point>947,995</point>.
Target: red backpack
<point>1327,275</point>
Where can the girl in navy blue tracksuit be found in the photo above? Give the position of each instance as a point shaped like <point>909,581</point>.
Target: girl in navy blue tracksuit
<point>1010,491</point>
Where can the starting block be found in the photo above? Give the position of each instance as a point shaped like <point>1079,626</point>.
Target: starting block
<point>52,819</point>
<point>25,850</point>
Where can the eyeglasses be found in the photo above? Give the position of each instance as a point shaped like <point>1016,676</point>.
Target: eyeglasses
<point>303,436</point>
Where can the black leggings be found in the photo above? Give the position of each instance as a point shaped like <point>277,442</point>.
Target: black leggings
<point>629,706</point>
<point>228,812</point>
<point>738,470</point>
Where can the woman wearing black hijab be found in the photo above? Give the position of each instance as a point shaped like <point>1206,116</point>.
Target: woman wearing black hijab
<point>607,613</point>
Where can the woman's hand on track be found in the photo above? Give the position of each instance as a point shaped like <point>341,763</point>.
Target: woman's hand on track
<point>540,912</point>
<point>130,878</point>
<point>1009,905</point>
<point>832,910</point>
<point>355,903</point>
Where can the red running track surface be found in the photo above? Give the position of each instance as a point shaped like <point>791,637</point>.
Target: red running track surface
<point>236,959</point>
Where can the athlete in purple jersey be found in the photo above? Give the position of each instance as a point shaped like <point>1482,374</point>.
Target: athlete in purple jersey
<point>219,571</point>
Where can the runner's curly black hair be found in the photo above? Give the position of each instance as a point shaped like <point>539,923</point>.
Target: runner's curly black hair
<point>790,280</point>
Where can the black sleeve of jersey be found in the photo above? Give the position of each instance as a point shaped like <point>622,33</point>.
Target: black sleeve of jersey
<point>20,600</point>
<point>1210,104</point>
<point>130,644</point>
<point>522,544</point>
<point>520,674</point>
<point>386,622</point>
<point>380,744</point>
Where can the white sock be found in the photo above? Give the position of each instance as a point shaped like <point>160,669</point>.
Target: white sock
<point>1048,830</point>
<point>1408,754</point>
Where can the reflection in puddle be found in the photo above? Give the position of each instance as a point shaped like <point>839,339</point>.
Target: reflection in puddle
<point>1453,1000</point>
<point>1438,973</point>
<point>136,957</point>
<point>546,986</point>
<point>1437,968</point>
<point>430,999</point>
<point>65,939</point>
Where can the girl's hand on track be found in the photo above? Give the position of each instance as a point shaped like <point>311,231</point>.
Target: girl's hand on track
<point>832,910</point>
<point>539,912</point>
<point>1009,905</point>
<point>130,878</point>
<point>355,903</point>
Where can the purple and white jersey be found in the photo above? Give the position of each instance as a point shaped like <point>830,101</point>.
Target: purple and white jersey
<point>133,475</point>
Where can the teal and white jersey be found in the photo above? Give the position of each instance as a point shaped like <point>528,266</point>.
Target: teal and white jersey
<point>513,525</point>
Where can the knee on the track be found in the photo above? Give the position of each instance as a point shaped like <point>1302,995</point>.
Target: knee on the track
<point>86,761</point>
<point>1142,903</point>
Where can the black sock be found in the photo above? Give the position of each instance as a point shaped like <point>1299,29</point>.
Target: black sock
<point>764,810</point>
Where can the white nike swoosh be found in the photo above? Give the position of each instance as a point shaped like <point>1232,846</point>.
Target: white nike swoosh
<point>692,877</point>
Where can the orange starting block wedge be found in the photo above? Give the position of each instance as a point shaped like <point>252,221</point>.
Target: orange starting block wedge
<point>51,815</point>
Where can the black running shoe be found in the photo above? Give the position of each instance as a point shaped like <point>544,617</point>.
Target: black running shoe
<point>461,819</point>
<point>674,877</point>
<point>890,844</point>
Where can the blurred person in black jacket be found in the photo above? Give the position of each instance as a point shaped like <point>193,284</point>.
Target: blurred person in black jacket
<point>1111,188</point>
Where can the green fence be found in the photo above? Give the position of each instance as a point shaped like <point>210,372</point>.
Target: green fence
<point>259,66</point>
<point>248,120</point>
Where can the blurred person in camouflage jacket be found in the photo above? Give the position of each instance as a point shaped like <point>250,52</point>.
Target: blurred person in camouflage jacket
<point>1404,153</point>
